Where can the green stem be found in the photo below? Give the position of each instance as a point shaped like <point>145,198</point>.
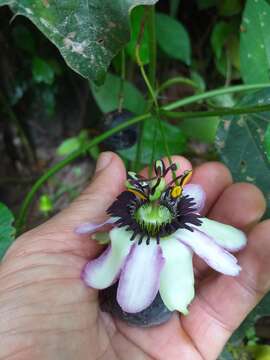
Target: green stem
<point>152,44</point>
<point>60,165</point>
<point>212,93</point>
<point>166,146</point>
<point>145,77</point>
<point>123,77</point>
<point>152,74</point>
<point>150,168</point>
<point>220,112</point>
<point>151,81</point>
<point>175,81</point>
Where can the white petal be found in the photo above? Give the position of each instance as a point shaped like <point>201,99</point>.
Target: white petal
<point>88,228</point>
<point>197,193</point>
<point>139,279</point>
<point>214,255</point>
<point>177,279</point>
<point>224,235</point>
<point>103,271</point>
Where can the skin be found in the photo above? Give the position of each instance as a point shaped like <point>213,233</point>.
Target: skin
<point>46,312</point>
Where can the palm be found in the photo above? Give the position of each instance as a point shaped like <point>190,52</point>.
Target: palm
<point>54,316</point>
<point>68,311</point>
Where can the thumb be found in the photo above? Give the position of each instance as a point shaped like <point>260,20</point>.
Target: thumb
<point>57,234</point>
<point>91,205</point>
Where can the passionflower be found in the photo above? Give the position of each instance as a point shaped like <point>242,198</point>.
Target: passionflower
<point>157,227</point>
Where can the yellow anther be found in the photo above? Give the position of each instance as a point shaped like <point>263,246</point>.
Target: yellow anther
<point>176,191</point>
<point>186,177</point>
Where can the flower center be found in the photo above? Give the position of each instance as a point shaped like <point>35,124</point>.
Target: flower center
<point>151,217</point>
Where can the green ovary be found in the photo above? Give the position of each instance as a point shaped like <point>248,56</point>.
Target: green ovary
<point>151,217</point>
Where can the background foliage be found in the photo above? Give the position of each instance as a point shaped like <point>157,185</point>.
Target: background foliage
<point>191,76</point>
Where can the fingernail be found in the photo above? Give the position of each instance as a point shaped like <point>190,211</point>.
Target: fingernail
<point>103,161</point>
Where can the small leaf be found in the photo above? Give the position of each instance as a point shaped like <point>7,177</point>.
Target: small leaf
<point>72,144</point>
<point>202,129</point>
<point>45,204</point>
<point>229,7</point>
<point>220,34</point>
<point>173,38</point>
<point>198,79</point>
<point>7,231</point>
<point>68,146</point>
<point>225,44</point>
<point>240,144</point>
<point>42,71</point>
<point>254,42</point>
<point>226,100</point>
<point>233,48</point>
<point>88,33</point>
<point>260,352</point>
<point>107,95</point>
<point>175,138</point>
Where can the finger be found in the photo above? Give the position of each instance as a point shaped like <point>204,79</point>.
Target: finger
<point>182,162</point>
<point>58,233</point>
<point>241,205</point>
<point>223,302</point>
<point>214,178</point>
<point>91,205</point>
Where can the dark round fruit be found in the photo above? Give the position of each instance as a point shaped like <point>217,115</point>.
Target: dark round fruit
<point>155,314</point>
<point>123,139</point>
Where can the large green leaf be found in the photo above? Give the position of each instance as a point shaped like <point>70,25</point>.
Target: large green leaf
<point>107,95</point>
<point>255,42</point>
<point>88,33</point>
<point>240,142</point>
<point>202,129</point>
<point>267,142</point>
<point>173,38</point>
<point>42,71</point>
<point>152,136</point>
<point>7,231</point>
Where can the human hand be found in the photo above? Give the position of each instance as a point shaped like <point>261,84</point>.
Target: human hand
<point>48,313</point>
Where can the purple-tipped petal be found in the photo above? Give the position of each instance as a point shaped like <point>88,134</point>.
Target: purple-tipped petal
<point>103,271</point>
<point>227,236</point>
<point>139,279</point>
<point>197,193</point>
<point>215,256</point>
<point>89,228</point>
